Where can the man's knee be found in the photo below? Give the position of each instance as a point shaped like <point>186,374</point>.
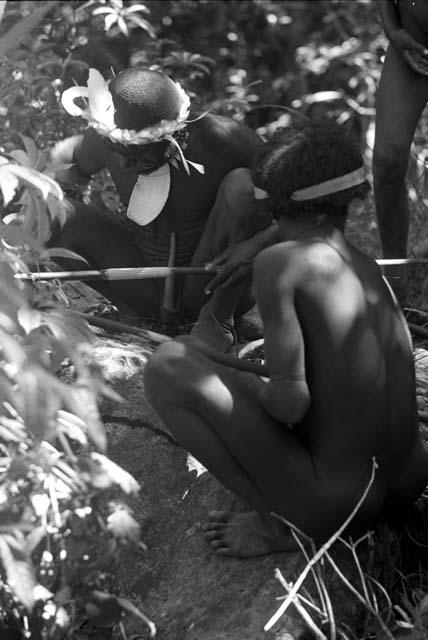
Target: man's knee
<point>390,162</point>
<point>163,372</point>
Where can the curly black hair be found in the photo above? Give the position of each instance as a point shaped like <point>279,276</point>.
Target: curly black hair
<point>305,155</point>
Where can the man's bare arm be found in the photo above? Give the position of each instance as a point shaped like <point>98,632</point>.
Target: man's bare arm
<point>390,16</point>
<point>286,396</point>
<point>84,152</point>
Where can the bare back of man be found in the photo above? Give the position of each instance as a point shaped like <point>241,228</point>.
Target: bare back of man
<point>359,368</point>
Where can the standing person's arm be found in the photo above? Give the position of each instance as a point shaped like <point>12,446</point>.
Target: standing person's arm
<point>414,53</point>
<point>286,396</point>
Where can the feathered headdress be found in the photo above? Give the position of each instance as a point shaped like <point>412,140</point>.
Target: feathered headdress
<point>100,111</point>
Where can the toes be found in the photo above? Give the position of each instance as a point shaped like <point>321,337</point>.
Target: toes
<point>219,516</point>
<point>214,526</point>
<point>220,547</point>
<point>218,544</point>
<point>211,535</point>
<point>225,551</point>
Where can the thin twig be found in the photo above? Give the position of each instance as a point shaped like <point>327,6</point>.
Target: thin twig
<point>351,548</point>
<point>284,606</point>
<point>359,597</point>
<point>302,611</point>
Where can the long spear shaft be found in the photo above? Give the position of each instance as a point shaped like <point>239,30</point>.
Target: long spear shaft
<point>141,273</point>
<point>119,273</point>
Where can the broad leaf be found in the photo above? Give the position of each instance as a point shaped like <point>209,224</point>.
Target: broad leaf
<point>40,400</point>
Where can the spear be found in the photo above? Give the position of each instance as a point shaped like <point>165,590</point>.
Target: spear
<point>141,273</point>
<point>118,273</point>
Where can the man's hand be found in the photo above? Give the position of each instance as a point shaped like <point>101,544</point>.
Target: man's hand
<point>234,264</point>
<point>415,54</point>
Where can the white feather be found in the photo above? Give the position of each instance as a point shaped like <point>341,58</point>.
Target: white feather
<point>69,96</point>
<point>100,99</point>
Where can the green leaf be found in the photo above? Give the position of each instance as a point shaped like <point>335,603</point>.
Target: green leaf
<point>122,25</point>
<point>21,157</point>
<point>101,10</point>
<point>123,525</point>
<point>35,180</point>
<point>72,426</point>
<point>40,399</point>
<point>12,349</point>
<point>8,184</point>
<point>137,7</point>
<point>68,326</point>
<point>12,430</point>
<point>20,29</point>
<point>29,318</point>
<point>59,252</point>
<point>109,21</point>
<point>31,149</point>
<point>118,475</point>
<point>82,403</point>
<point>129,607</point>
<point>19,568</point>
<point>143,24</point>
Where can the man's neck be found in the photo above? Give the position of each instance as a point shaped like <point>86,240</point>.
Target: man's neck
<point>290,229</point>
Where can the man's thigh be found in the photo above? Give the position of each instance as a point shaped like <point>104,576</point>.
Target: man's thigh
<point>401,97</point>
<point>272,454</point>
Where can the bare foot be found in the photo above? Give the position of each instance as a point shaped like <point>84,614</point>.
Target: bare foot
<point>215,333</point>
<point>245,535</point>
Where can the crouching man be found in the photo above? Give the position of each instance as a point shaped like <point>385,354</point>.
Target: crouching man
<point>342,384</point>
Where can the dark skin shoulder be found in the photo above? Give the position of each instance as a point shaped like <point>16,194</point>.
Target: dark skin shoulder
<point>221,137</point>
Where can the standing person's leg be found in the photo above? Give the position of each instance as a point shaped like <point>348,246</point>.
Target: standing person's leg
<point>107,244</point>
<point>401,98</point>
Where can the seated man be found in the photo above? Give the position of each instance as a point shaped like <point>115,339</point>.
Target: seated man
<point>184,183</point>
<point>342,384</point>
